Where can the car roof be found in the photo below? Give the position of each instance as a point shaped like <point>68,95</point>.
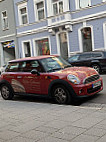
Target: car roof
<point>32,58</point>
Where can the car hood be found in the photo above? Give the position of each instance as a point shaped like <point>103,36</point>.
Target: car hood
<point>80,72</point>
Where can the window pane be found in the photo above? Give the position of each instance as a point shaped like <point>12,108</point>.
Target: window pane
<point>60,7</point>
<point>84,3</point>
<point>5,23</point>
<point>55,10</point>
<point>43,47</point>
<point>24,19</point>
<point>4,14</point>
<point>27,49</point>
<point>40,5</point>
<point>23,10</point>
<point>41,14</point>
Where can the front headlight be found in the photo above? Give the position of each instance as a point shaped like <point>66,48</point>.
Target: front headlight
<point>74,79</point>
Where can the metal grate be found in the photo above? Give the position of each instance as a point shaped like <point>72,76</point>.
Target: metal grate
<point>91,79</point>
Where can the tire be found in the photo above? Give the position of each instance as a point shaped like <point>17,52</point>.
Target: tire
<point>96,67</point>
<point>7,92</point>
<point>61,95</point>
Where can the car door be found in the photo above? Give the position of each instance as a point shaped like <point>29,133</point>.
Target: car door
<point>85,59</point>
<point>32,83</point>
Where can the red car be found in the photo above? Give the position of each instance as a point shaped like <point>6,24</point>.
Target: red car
<point>49,76</point>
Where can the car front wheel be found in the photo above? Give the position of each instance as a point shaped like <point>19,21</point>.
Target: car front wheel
<point>61,95</point>
<point>6,92</point>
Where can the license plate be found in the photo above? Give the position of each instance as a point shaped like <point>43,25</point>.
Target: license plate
<point>96,84</point>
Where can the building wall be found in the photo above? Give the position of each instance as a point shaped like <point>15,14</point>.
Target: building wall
<point>93,16</point>
<point>10,33</point>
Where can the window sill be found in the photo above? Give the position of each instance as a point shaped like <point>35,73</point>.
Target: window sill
<point>6,29</point>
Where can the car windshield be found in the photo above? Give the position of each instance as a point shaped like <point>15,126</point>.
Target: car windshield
<point>52,64</point>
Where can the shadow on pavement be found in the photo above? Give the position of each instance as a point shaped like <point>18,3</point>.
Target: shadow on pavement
<point>48,100</point>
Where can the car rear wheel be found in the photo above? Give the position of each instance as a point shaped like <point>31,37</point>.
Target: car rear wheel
<point>96,67</point>
<point>6,92</point>
<point>61,95</point>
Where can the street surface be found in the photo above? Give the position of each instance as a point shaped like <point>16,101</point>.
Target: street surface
<point>31,119</point>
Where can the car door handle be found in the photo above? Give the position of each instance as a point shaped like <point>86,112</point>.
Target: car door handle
<point>19,76</point>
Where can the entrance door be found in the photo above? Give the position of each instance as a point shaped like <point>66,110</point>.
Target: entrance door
<point>63,45</point>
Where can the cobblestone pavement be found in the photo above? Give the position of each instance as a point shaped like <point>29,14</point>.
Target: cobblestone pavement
<point>25,121</point>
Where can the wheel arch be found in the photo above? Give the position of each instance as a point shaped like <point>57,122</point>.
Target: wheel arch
<point>4,82</point>
<point>61,82</point>
<point>95,62</point>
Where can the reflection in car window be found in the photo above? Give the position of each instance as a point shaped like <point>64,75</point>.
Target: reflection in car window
<point>97,55</point>
<point>74,58</point>
<point>85,56</point>
<point>27,66</point>
<point>54,63</point>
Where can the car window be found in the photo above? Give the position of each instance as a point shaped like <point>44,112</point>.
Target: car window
<point>97,55</point>
<point>85,56</point>
<point>74,58</point>
<point>104,54</point>
<point>27,66</point>
<point>12,67</point>
<point>54,64</point>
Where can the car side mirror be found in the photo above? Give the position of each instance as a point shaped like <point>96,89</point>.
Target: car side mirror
<point>34,71</point>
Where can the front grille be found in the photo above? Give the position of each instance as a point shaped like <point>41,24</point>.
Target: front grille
<point>91,79</point>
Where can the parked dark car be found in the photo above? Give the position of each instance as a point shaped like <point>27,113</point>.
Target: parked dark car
<point>97,60</point>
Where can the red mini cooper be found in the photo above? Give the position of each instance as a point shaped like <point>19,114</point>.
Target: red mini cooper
<point>49,76</point>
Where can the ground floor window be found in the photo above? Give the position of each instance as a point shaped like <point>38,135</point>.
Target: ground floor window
<point>8,51</point>
<point>43,47</point>
<point>63,45</point>
<point>86,39</point>
<point>27,52</point>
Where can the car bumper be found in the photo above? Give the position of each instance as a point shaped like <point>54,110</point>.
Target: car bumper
<point>86,90</point>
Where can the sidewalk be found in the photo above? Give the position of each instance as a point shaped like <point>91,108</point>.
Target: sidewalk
<point>22,121</point>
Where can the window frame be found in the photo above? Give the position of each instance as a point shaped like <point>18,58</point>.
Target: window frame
<point>23,47</point>
<point>57,2</point>
<point>3,23</point>
<point>36,10</point>
<point>21,6</point>
<point>36,47</point>
<point>78,4</point>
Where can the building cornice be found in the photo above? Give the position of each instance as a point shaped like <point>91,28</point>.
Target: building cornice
<point>7,36</point>
<point>89,17</point>
<point>71,22</point>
